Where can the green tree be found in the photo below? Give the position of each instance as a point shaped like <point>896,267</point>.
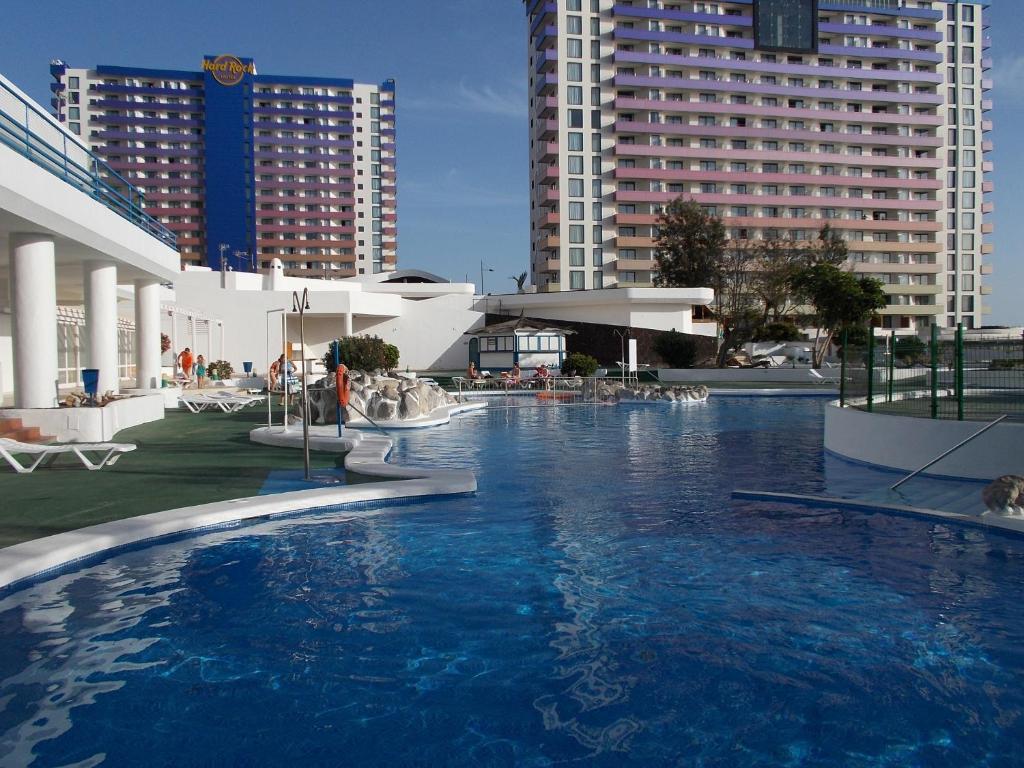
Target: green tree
<point>839,299</point>
<point>830,248</point>
<point>738,304</point>
<point>579,364</point>
<point>677,349</point>
<point>690,246</point>
<point>362,353</point>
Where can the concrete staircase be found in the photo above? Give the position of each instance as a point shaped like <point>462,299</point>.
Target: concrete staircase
<point>13,429</point>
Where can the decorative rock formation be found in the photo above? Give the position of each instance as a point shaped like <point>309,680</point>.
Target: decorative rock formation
<point>610,392</point>
<point>1005,496</point>
<point>380,397</point>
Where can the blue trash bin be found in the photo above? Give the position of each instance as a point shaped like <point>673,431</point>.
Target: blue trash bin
<point>91,381</point>
<point>247,367</point>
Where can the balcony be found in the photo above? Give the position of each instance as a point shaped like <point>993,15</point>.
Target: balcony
<point>636,265</point>
<point>548,106</point>
<point>547,85</point>
<point>549,243</point>
<point>549,288</point>
<point>549,221</point>
<point>987,269</point>
<point>912,290</point>
<point>547,129</point>
<point>549,152</point>
<point>549,197</point>
<point>550,265</point>
<point>547,60</point>
<point>634,242</point>
<point>29,132</point>
<point>899,269</point>
<point>915,310</point>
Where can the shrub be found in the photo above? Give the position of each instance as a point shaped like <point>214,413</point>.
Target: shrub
<point>220,369</point>
<point>911,350</point>
<point>677,349</point>
<point>579,364</point>
<point>165,343</point>
<point>363,353</point>
<point>778,332</point>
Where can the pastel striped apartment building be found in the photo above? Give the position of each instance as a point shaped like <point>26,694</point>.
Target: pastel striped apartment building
<point>778,116</point>
<point>246,167</point>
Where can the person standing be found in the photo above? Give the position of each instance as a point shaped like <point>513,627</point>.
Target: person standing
<point>200,371</point>
<point>186,362</point>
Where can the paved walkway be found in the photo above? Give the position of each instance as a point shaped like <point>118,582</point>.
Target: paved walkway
<point>183,460</point>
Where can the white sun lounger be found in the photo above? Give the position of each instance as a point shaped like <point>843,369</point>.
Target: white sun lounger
<point>226,401</point>
<point>105,453</point>
<point>819,379</point>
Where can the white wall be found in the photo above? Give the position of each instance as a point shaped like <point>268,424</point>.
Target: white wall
<point>429,333</point>
<point>906,442</point>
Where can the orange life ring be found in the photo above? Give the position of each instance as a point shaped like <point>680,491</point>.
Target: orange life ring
<point>341,382</point>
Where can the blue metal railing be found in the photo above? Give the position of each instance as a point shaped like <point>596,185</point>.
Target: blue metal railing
<point>71,162</point>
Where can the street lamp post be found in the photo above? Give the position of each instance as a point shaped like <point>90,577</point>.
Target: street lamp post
<point>300,305</point>
<point>482,270</point>
<point>223,259</point>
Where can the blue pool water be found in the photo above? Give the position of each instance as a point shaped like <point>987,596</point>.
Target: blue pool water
<point>601,601</point>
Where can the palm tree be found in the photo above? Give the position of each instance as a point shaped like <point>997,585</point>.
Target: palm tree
<point>520,282</point>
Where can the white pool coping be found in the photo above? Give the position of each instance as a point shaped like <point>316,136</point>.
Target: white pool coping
<point>988,521</point>
<point>367,454</point>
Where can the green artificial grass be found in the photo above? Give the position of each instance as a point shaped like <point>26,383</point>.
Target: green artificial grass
<point>184,459</point>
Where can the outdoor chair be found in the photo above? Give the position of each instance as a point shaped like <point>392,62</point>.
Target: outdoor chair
<point>817,378</point>
<point>105,454</point>
<point>226,401</point>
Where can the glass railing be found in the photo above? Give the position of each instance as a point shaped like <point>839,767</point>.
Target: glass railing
<point>31,132</point>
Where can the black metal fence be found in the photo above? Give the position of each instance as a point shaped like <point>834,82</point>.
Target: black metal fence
<point>941,378</point>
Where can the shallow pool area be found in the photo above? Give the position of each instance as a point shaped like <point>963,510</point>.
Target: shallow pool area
<point>601,599</point>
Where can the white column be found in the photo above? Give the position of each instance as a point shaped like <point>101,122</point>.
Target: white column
<point>34,320</point>
<point>147,333</point>
<point>346,325</point>
<point>101,322</point>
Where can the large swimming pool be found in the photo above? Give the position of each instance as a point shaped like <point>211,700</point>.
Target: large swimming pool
<point>600,600</point>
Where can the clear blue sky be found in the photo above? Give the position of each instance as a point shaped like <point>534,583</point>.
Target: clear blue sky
<point>460,65</point>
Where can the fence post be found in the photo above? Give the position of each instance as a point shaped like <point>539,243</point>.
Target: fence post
<point>935,371</point>
<point>892,365</point>
<point>960,371</point>
<point>871,368</point>
<point>842,371</point>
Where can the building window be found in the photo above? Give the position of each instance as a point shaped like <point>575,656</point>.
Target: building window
<point>577,280</point>
<point>576,257</point>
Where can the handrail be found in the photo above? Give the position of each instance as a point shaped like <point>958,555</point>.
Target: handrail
<point>40,151</point>
<point>946,453</point>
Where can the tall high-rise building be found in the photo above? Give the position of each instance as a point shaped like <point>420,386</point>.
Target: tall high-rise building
<point>246,167</point>
<point>779,116</point>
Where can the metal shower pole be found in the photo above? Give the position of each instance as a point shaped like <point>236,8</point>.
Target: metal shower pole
<point>300,306</point>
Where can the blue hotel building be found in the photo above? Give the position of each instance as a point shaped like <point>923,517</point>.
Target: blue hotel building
<point>246,167</point>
